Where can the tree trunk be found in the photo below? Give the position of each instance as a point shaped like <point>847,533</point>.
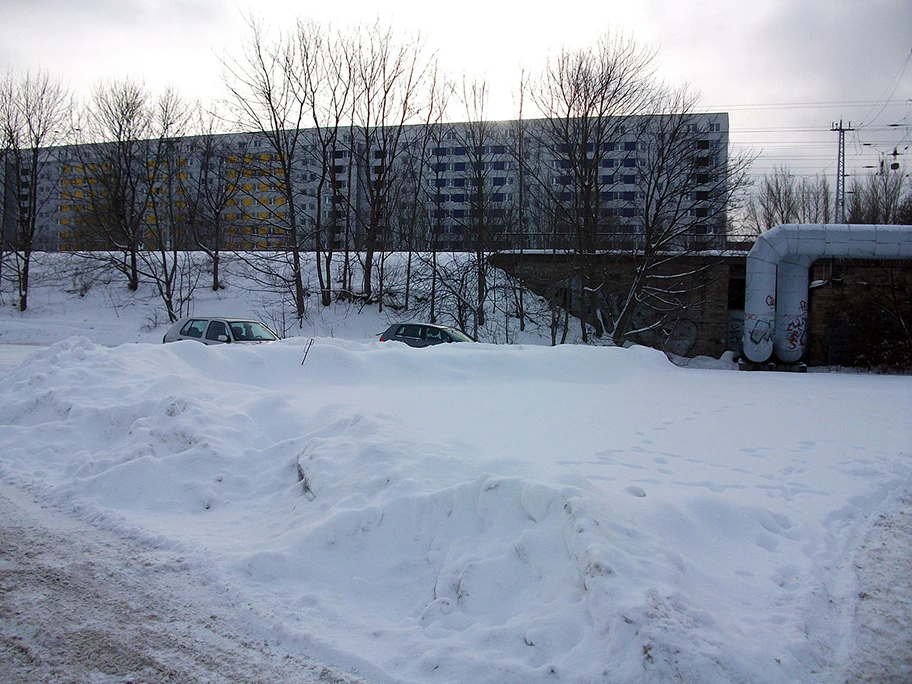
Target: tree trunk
<point>24,282</point>
<point>326,292</point>
<point>133,278</point>
<point>622,324</point>
<point>298,282</point>
<point>215,272</point>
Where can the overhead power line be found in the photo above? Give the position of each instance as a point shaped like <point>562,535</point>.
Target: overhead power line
<point>763,106</point>
<point>893,85</point>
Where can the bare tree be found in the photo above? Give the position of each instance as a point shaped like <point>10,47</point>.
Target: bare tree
<point>878,197</point>
<point>486,203</point>
<point>390,82</point>
<point>519,240</point>
<point>631,172</point>
<point>686,186</point>
<point>213,189</point>
<point>905,209</point>
<point>165,259</point>
<point>271,100</point>
<point>435,199</point>
<point>107,176</point>
<point>128,184</point>
<point>815,200</point>
<point>587,98</point>
<point>782,198</point>
<point>32,122</point>
<point>325,80</point>
<point>418,205</point>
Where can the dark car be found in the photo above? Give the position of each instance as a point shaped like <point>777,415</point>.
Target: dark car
<point>423,334</point>
<point>219,330</point>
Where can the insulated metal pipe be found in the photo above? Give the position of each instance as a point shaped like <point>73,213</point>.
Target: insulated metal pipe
<point>776,288</point>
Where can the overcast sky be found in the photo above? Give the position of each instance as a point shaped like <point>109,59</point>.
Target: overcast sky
<point>785,70</point>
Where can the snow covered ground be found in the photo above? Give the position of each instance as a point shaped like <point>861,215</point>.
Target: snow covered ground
<point>467,512</point>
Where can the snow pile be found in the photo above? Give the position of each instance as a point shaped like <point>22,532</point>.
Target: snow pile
<point>485,513</point>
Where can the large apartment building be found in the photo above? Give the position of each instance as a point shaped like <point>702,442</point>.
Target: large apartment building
<point>493,185</point>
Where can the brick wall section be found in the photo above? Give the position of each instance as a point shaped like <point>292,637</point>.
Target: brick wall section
<point>699,328</point>
<point>841,297</point>
<point>843,289</point>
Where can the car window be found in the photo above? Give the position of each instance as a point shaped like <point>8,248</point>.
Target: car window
<point>445,337</point>
<point>251,331</point>
<point>458,335</point>
<point>216,328</point>
<point>259,332</point>
<point>409,331</point>
<point>193,328</point>
<point>241,331</point>
<point>433,334</point>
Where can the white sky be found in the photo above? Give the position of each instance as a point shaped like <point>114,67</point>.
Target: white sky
<point>825,59</point>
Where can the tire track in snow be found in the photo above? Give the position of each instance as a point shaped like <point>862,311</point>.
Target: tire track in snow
<point>882,621</point>
<point>81,604</point>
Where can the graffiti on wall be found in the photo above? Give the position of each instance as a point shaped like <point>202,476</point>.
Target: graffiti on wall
<point>759,329</point>
<point>796,328</point>
<point>735,330</point>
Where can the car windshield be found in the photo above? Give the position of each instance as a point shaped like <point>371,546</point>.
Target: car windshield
<point>251,331</point>
<point>458,335</point>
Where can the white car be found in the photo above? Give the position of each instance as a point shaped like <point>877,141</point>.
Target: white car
<point>219,331</point>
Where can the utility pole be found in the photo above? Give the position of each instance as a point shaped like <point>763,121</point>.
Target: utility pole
<point>840,170</point>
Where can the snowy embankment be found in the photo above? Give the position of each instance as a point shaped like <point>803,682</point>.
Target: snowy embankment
<point>487,513</point>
